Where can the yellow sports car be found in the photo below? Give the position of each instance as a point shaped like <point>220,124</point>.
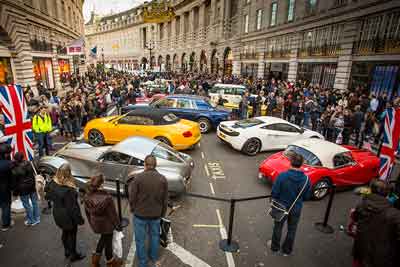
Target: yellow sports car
<point>161,125</point>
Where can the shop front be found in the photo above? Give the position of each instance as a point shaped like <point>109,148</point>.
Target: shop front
<point>278,71</point>
<point>376,78</point>
<point>249,70</point>
<point>64,69</point>
<point>6,75</point>
<point>322,74</point>
<point>43,72</point>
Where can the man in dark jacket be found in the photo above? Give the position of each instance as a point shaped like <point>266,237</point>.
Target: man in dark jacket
<point>285,190</point>
<point>148,199</point>
<point>377,241</point>
<point>6,185</point>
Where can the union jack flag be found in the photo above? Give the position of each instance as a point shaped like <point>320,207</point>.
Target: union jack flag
<point>390,142</point>
<point>18,127</point>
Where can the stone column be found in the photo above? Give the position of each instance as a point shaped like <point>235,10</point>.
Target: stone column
<point>293,60</point>
<point>191,25</point>
<point>54,63</point>
<point>201,30</point>
<point>343,70</point>
<point>182,31</point>
<point>17,30</point>
<point>236,60</point>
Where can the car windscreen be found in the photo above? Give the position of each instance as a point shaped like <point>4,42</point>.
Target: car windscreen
<point>165,152</point>
<point>309,158</point>
<point>248,123</point>
<point>170,118</point>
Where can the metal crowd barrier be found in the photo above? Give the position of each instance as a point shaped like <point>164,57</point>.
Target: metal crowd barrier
<point>228,244</point>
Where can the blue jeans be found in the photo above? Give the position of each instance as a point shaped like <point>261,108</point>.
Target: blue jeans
<point>141,227</point>
<point>306,122</point>
<point>5,213</point>
<point>287,247</point>
<point>43,140</point>
<point>32,211</point>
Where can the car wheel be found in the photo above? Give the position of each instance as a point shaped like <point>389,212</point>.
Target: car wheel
<point>319,194</point>
<point>204,125</point>
<point>96,138</point>
<point>252,146</point>
<point>163,140</point>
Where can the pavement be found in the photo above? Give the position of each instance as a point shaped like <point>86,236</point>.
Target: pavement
<point>198,225</point>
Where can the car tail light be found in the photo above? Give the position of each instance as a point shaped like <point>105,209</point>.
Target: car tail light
<point>187,134</point>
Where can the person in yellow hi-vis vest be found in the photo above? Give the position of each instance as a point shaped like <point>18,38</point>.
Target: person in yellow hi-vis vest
<point>42,126</point>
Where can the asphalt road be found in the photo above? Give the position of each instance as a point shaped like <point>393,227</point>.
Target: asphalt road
<point>199,224</point>
<point>228,174</point>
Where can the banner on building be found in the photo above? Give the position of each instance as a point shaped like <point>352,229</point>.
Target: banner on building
<point>17,127</point>
<point>158,12</point>
<point>76,48</point>
<point>93,52</point>
<point>390,142</point>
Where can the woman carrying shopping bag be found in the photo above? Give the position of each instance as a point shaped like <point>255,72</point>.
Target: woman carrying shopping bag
<point>24,177</point>
<point>103,219</point>
<point>62,191</point>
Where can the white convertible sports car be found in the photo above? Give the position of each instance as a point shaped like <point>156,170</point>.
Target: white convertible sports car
<point>262,133</point>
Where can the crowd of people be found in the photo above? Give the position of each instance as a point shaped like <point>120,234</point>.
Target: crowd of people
<point>342,117</point>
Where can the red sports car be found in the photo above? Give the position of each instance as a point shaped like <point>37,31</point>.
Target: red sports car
<point>325,163</point>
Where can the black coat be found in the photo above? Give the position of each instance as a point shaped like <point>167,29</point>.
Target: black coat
<point>377,241</point>
<point>24,178</point>
<point>6,181</point>
<point>66,211</point>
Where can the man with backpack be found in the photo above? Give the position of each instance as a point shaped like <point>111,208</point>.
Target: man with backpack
<point>289,191</point>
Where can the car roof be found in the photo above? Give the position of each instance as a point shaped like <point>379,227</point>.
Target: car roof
<point>271,120</point>
<point>136,146</point>
<point>324,150</point>
<point>157,115</point>
<point>195,97</point>
<point>230,85</point>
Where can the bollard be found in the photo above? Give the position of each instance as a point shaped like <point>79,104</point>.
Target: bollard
<point>124,221</point>
<point>324,227</point>
<point>227,244</point>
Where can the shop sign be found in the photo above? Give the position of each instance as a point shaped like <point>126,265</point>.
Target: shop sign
<point>158,12</point>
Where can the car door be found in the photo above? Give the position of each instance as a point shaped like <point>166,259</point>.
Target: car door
<point>113,165</point>
<point>277,135</point>
<point>186,109</point>
<point>346,170</point>
<point>123,128</point>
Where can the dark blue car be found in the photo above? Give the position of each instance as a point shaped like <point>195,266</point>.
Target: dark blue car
<point>190,107</point>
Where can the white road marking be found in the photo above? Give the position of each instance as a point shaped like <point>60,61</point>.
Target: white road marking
<point>222,229</point>
<point>184,255</point>
<point>216,170</point>
<point>202,155</point>
<point>212,189</point>
<point>206,225</point>
<point>207,171</point>
<point>199,145</point>
<point>131,254</point>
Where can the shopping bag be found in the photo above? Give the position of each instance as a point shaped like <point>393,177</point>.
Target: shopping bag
<point>117,243</point>
<point>165,225</point>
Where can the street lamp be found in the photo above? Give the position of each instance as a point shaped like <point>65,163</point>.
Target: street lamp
<point>150,46</point>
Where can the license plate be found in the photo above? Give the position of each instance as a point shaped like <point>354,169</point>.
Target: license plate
<point>222,135</point>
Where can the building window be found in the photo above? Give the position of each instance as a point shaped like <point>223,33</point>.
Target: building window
<point>161,31</point>
<point>311,6</point>
<point>246,23</point>
<point>274,8</point>
<point>259,19</point>
<point>290,15</point>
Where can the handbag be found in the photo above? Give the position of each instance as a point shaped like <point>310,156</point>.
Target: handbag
<point>278,211</point>
<point>165,226</point>
<point>40,182</point>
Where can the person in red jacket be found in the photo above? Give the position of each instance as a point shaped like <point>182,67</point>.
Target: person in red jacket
<point>103,219</point>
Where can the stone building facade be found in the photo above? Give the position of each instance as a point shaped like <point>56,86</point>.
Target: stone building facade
<point>335,43</point>
<point>33,39</point>
<point>120,39</point>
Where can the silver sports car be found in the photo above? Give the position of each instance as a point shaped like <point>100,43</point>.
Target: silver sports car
<point>121,161</point>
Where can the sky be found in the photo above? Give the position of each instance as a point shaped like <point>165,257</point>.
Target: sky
<point>105,7</point>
